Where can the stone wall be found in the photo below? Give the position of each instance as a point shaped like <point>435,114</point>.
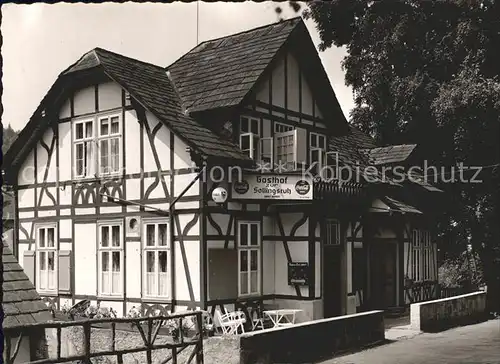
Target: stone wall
<point>312,341</point>
<point>216,349</point>
<point>437,315</point>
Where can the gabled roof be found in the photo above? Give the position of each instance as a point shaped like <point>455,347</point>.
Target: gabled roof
<point>21,303</point>
<point>221,72</point>
<point>151,87</point>
<point>389,154</point>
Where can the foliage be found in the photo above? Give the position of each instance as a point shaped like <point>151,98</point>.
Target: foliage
<point>463,271</point>
<point>426,72</point>
<point>9,135</point>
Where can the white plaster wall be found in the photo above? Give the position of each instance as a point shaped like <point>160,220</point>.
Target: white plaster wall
<point>117,306</point>
<point>192,249</point>
<point>85,259</point>
<point>26,225</point>
<point>27,171</point>
<point>109,96</point>
<point>134,271</point>
<point>84,101</point>
<point>133,187</point>
<point>184,219</point>
<point>26,197</point>
<point>23,355</point>
<point>161,141</point>
<point>278,87</point>
<point>307,98</point>
<point>132,142</point>
<point>289,220</point>
<point>181,181</point>
<point>182,158</point>
<point>298,253</point>
<point>65,151</point>
<point>293,74</point>
<point>222,220</point>
<point>268,261</point>
<point>65,111</point>
<point>65,195</point>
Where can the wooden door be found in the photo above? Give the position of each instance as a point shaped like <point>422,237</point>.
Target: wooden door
<point>331,281</point>
<point>383,275</point>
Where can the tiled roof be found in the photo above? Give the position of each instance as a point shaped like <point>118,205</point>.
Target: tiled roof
<point>150,86</point>
<point>220,72</point>
<point>401,206</point>
<point>21,303</point>
<point>389,154</point>
<point>348,146</point>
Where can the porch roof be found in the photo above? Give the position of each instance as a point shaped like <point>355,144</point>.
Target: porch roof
<point>21,302</point>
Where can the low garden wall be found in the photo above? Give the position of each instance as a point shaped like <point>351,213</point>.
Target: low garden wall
<point>216,350</point>
<point>312,341</point>
<point>437,315</point>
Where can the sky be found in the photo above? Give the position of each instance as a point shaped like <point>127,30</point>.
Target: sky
<point>41,40</point>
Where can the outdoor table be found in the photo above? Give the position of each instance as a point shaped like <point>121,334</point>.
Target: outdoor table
<point>283,317</point>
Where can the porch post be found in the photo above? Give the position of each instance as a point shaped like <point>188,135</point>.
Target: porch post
<point>400,228</point>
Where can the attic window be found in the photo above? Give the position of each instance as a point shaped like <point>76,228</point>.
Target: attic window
<point>43,113</point>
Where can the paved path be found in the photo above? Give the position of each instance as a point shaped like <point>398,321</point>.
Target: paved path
<point>473,344</point>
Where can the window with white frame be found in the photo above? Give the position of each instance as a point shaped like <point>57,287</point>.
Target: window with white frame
<point>332,232</point>
<point>285,149</point>
<point>109,144</point>
<point>421,256</point>
<point>111,258</point>
<point>317,152</point>
<point>83,148</point>
<point>156,256</point>
<point>249,267</point>
<point>249,136</point>
<point>46,244</point>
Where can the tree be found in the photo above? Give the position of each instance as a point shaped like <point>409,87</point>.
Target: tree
<point>427,72</point>
<point>9,135</point>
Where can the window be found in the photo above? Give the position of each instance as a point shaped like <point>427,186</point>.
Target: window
<point>84,139</point>
<point>285,150</point>
<point>332,233</point>
<point>108,141</point>
<point>281,128</point>
<point>427,255</point>
<point>249,136</point>
<point>109,144</point>
<point>111,259</point>
<point>415,252</point>
<point>317,152</point>
<point>47,258</point>
<point>156,255</point>
<point>249,258</point>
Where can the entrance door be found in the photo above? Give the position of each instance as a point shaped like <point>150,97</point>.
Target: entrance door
<point>331,281</point>
<point>383,275</point>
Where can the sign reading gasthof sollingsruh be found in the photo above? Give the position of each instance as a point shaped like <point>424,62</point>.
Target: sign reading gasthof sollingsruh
<point>274,187</point>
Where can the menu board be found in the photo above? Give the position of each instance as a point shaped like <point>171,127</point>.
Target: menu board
<point>298,273</point>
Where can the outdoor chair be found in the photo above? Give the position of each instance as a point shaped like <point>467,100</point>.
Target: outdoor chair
<point>230,322</point>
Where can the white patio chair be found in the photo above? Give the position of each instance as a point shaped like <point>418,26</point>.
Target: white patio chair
<point>230,322</point>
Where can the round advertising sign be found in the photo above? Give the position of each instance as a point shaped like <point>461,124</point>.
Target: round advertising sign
<point>302,187</point>
<point>241,187</point>
<point>219,195</point>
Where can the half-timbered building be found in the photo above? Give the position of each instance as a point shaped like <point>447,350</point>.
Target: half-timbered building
<point>115,171</point>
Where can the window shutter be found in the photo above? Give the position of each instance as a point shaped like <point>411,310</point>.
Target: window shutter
<point>29,261</point>
<point>64,271</point>
<point>300,147</point>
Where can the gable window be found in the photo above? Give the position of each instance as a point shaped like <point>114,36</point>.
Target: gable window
<point>249,267</point>
<point>97,146</point>
<point>110,258</point>
<point>249,136</point>
<point>156,256</point>
<point>109,144</point>
<point>84,139</point>
<point>47,258</point>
